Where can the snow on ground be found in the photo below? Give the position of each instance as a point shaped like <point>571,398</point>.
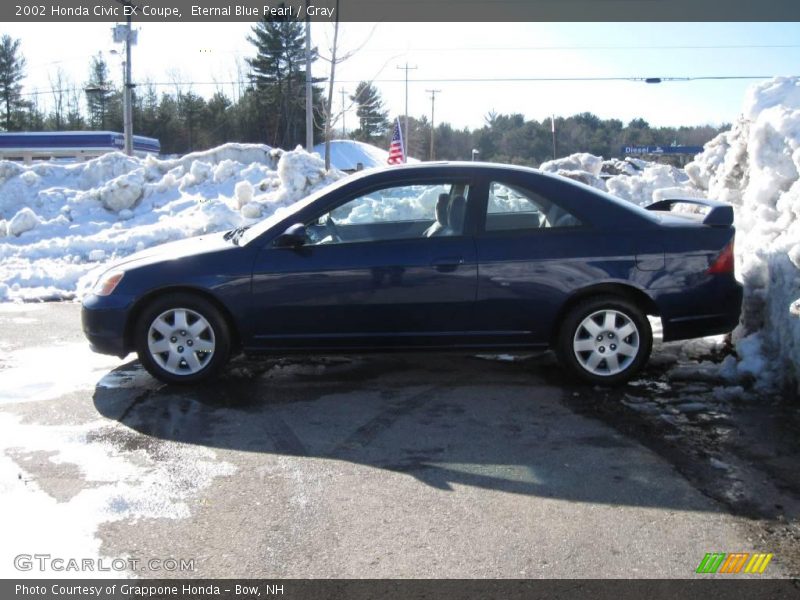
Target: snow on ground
<point>70,367</point>
<point>155,481</point>
<point>138,484</point>
<point>58,221</point>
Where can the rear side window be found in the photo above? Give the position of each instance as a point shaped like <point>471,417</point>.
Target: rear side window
<point>513,208</point>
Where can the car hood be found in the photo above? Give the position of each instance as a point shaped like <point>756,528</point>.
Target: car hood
<point>194,246</point>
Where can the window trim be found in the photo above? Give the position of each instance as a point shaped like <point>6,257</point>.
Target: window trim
<point>482,232</point>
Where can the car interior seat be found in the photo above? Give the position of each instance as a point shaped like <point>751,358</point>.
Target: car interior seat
<point>456,214</point>
<point>442,209</point>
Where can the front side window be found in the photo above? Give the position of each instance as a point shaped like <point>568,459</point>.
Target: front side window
<point>514,208</point>
<point>393,213</point>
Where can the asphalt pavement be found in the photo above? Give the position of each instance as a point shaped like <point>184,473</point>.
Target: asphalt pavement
<point>413,466</point>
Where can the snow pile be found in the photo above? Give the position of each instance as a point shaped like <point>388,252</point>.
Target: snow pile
<point>654,182</point>
<point>347,154</point>
<point>756,167</point>
<point>635,180</point>
<point>402,204</point>
<point>581,161</point>
<point>59,221</point>
<point>582,166</point>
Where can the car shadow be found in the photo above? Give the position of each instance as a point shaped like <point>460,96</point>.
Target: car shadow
<point>495,423</point>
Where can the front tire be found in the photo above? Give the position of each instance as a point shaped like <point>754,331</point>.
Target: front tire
<point>182,338</point>
<point>605,340</point>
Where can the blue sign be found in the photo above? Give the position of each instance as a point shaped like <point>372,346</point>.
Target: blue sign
<point>662,150</point>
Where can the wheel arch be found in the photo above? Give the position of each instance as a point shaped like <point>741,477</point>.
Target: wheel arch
<point>142,303</point>
<point>621,290</point>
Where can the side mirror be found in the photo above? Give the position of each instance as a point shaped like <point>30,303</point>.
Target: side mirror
<point>295,235</point>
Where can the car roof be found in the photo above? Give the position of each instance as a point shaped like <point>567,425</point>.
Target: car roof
<point>437,164</point>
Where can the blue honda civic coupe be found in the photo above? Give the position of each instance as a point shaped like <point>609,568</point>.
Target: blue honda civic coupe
<point>436,256</point>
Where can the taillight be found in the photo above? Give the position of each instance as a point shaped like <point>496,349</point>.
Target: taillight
<point>724,262</point>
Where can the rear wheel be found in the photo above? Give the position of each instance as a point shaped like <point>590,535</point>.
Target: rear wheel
<point>605,340</point>
<point>182,338</point>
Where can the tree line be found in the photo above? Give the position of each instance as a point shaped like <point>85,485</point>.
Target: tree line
<point>269,107</point>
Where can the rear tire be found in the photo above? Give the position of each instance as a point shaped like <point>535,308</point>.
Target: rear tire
<point>182,338</point>
<point>604,340</point>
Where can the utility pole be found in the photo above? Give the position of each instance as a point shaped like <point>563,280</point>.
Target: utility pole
<point>553,130</point>
<point>406,68</point>
<point>125,33</point>
<point>309,101</point>
<point>344,130</point>
<point>433,101</point>
<point>128,98</point>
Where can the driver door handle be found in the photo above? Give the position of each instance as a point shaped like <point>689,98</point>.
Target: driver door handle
<point>447,264</point>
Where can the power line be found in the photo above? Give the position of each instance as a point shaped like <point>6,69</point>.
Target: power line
<point>559,79</point>
<point>603,47</point>
<point>454,80</point>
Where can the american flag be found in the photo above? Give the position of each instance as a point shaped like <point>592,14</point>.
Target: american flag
<point>397,153</point>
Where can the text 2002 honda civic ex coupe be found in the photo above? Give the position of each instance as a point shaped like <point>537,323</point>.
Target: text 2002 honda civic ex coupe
<point>435,256</point>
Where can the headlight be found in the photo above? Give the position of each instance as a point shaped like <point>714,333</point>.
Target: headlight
<point>107,283</point>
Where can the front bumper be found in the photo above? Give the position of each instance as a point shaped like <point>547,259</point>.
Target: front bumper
<point>104,322</point>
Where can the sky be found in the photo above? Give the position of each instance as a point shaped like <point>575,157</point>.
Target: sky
<point>206,57</point>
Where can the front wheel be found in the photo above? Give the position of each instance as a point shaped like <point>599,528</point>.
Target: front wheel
<point>182,339</point>
<point>605,340</point>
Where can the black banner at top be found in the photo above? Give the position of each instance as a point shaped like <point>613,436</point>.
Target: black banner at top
<point>399,10</point>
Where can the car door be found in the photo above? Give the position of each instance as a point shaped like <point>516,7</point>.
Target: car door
<point>531,254</point>
<point>378,269</point>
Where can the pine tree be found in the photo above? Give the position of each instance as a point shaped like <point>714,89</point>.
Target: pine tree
<point>192,108</point>
<point>99,94</point>
<point>12,71</point>
<point>372,117</point>
<point>278,74</point>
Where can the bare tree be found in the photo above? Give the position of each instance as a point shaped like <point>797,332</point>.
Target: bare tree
<point>334,59</point>
<point>57,84</point>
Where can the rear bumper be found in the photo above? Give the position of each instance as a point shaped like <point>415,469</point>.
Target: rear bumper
<point>718,314</point>
<point>103,321</point>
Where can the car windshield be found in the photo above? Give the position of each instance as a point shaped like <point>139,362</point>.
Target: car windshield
<point>285,211</point>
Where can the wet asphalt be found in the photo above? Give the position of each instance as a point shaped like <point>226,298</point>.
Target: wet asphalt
<point>413,465</point>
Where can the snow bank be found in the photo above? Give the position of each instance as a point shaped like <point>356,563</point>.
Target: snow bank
<point>635,180</point>
<point>756,167</point>
<point>59,221</point>
<point>347,154</point>
<point>581,161</point>
<point>653,182</point>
